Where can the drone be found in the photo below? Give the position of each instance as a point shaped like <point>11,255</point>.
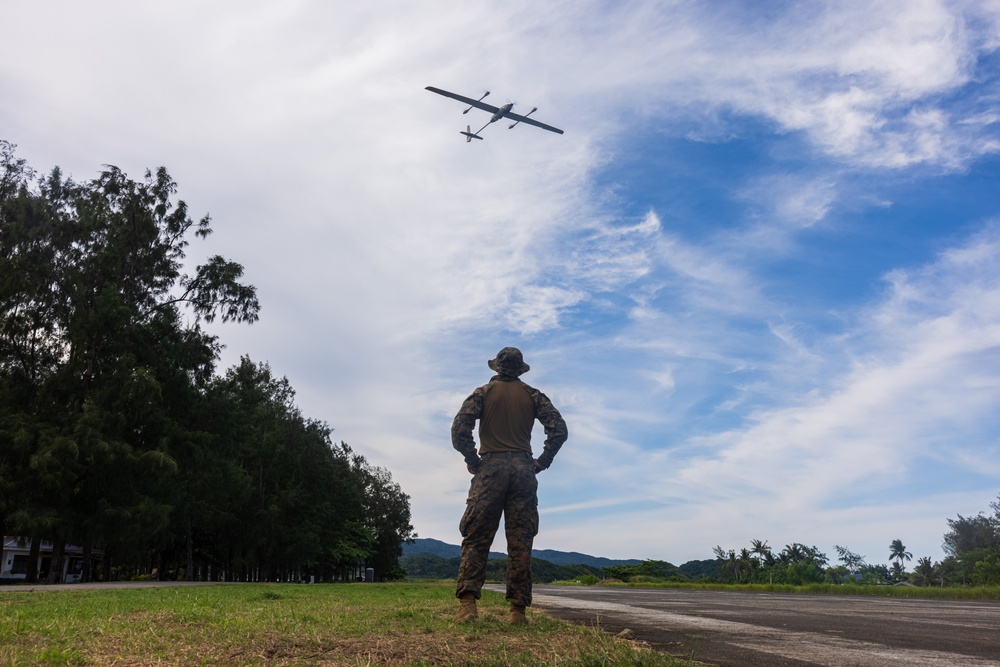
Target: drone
<point>498,112</point>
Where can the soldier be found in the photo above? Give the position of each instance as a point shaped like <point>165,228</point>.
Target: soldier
<point>503,479</point>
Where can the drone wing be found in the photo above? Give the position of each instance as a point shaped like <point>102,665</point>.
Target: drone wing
<point>531,121</point>
<point>467,100</point>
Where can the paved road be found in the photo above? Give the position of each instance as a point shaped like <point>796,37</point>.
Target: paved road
<point>779,630</point>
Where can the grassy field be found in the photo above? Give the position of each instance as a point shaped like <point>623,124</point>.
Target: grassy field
<point>288,624</point>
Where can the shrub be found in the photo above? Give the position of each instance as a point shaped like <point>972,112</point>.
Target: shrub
<point>986,572</point>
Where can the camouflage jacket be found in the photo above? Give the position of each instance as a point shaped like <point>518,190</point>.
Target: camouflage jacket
<point>472,408</point>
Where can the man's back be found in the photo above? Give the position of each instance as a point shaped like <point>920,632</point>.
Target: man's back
<point>504,482</point>
<point>507,418</point>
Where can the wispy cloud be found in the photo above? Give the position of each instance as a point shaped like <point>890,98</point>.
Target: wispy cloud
<point>922,384</point>
<point>707,376</point>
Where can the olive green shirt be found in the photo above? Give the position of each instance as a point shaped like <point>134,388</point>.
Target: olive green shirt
<point>507,409</point>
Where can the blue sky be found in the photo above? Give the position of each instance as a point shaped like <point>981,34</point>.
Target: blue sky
<point>757,273</point>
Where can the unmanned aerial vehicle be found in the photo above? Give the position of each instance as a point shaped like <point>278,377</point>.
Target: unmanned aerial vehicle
<point>498,113</point>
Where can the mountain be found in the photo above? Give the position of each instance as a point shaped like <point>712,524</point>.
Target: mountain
<point>438,548</point>
<point>696,569</point>
<point>434,559</point>
<point>447,551</point>
<point>574,558</point>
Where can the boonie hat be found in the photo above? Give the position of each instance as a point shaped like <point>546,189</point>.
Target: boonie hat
<point>509,361</point>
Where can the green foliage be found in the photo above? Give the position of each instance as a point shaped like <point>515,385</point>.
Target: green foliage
<point>647,569</point>
<point>852,561</point>
<point>429,566</point>
<point>970,533</point>
<point>386,515</point>
<point>965,564</point>
<point>948,572</point>
<point>986,570</point>
<point>826,588</point>
<point>898,552</point>
<point>922,574</point>
<point>700,569</point>
<point>973,544</point>
<point>115,431</point>
<point>802,572</point>
<point>796,564</point>
<point>973,548</point>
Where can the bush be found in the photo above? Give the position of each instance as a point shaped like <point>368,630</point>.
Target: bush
<point>986,572</point>
<point>798,574</point>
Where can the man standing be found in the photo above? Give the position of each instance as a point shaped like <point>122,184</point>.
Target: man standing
<point>503,479</point>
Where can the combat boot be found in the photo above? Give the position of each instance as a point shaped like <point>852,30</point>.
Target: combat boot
<point>467,611</point>
<point>517,616</point>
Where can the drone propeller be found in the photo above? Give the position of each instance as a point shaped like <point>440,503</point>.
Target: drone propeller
<point>525,116</point>
<point>479,100</point>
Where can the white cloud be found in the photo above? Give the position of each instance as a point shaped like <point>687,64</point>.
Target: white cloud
<point>923,390</point>
<point>390,254</point>
<point>864,81</point>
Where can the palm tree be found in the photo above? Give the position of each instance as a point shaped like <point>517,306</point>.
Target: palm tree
<point>924,570</point>
<point>728,563</point>
<point>899,553</point>
<point>747,562</point>
<point>792,553</point>
<point>760,548</point>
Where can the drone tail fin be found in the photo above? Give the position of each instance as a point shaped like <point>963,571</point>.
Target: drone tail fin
<point>469,134</point>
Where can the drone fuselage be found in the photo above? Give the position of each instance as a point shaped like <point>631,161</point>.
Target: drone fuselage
<point>502,111</point>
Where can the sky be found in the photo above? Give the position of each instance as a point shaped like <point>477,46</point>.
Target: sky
<point>757,274</point>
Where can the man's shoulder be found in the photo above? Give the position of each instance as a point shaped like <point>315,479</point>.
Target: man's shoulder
<point>481,391</point>
<point>525,384</point>
<point>515,384</point>
<point>509,382</point>
<point>534,393</point>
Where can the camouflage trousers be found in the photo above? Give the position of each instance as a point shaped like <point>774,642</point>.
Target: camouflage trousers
<point>503,485</point>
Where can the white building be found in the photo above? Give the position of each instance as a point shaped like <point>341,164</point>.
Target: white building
<point>17,550</point>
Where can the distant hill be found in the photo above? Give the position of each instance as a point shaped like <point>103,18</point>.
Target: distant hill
<point>574,558</point>
<point>434,559</point>
<point>438,548</point>
<point>447,551</point>
<point>696,569</point>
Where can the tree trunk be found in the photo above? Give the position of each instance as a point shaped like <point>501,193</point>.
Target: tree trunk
<point>31,576</point>
<point>87,562</point>
<point>189,569</point>
<point>55,569</point>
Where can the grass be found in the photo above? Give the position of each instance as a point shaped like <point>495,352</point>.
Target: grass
<point>927,592</point>
<point>289,624</point>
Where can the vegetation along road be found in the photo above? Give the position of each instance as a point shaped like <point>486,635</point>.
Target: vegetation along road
<point>756,629</point>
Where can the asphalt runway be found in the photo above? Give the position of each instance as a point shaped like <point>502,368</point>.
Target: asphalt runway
<point>777,630</point>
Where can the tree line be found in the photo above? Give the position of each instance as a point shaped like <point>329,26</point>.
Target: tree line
<point>971,546</point>
<point>118,434</point>
<point>430,566</point>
